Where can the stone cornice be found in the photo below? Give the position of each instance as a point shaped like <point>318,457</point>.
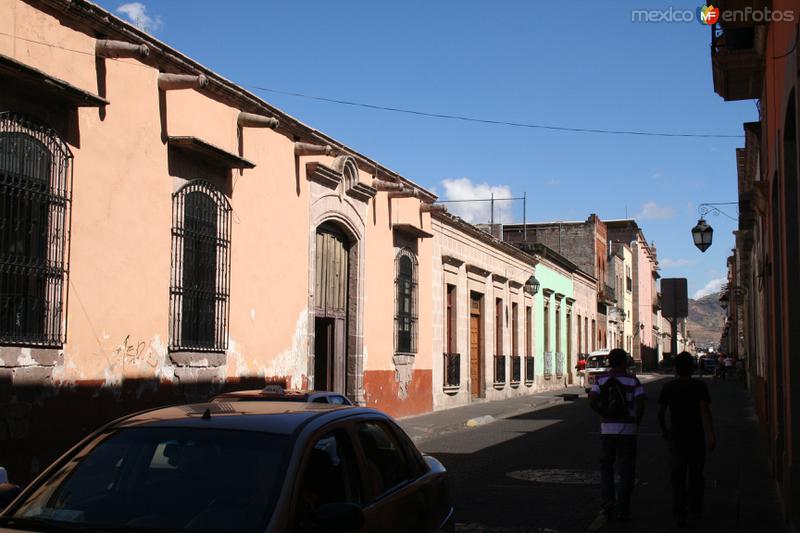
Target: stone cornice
<point>451,260</point>
<point>362,191</point>
<point>319,173</point>
<point>477,270</point>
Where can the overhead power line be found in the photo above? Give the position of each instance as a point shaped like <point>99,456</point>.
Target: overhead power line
<point>433,115</point>
<point>495,122</point>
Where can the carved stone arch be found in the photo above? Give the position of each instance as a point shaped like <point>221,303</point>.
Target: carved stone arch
<point>346,165</point>
<point>333,212</point>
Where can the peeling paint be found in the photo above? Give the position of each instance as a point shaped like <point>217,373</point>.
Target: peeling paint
<point>292,362</point>
<point>25,357</point>
<point>240,367</point>
<point>164,371</point>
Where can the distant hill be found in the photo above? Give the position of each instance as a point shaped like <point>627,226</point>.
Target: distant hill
<point>706,319</point>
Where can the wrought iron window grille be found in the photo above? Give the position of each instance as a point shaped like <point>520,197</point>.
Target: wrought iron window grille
<point>405,318</point>
<point>35,215</point>
<point>200,273</point>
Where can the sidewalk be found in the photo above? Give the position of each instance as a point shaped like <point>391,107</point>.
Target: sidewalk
<point>423,427</point>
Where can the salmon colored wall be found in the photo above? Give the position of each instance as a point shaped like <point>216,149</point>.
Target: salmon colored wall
<point>75,65</point>
<point>116,357</point>
<point>269,283</point>
<point>118,313</point>
<point>192,114</point>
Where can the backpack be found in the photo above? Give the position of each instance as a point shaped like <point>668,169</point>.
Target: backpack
<point>612,404</point>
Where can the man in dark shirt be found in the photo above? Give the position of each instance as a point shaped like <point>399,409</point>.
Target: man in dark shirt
<point>689,433</point>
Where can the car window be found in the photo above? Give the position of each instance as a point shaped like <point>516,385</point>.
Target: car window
<point>320,399</point>
<point>597,362</point>
<point>329,476</point>
<point>167,479</point>
<point>386,464</point>
<point>338,400</point>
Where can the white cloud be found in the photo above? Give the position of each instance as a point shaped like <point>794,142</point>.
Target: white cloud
<point>711,287</point>
<point>478,212</point>
<point>136,12</point>
<point>653,211</point>
<point>552,182</point>
<point>675,263</point>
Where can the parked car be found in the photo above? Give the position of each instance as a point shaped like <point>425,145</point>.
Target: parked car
<point>708,364</point>
<point>597,365</point>
<point>276,393</point>
<point>240,466</point>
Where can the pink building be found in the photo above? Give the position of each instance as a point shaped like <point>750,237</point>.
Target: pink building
<point>646,300</point>
<point>167,235</point>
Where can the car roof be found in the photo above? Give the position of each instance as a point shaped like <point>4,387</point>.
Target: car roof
<point>268,417</point>
<point>290,393</point>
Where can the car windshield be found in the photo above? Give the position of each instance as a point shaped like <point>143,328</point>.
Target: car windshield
<point>190,479</point>
<point>600,361</point>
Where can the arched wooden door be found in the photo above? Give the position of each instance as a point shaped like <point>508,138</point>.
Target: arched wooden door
<point>331,293</point>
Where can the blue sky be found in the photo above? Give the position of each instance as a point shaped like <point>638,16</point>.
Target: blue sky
<point>519,61</point>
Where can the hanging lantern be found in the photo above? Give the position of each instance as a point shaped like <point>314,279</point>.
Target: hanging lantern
<point>532,285</point>
<point>702,234</point>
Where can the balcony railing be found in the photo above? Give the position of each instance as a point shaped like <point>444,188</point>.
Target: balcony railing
<point>529,370</point>
<point>657,303</point>
<point>607,294</point>
<point>736,60</point>
<point>452,370</point>
<point>499,369</point>
<point>516,368</point>
<point>548,365</point>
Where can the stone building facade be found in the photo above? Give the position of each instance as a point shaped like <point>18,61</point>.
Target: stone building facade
<point>483,316</point>
<point>646,338</point>
<point>583,243</point>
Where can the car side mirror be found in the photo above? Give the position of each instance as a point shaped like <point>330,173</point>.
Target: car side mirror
<point>336,518</point>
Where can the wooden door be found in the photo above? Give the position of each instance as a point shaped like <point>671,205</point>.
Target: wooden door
<point>331,307</point>
<point>475,347</point>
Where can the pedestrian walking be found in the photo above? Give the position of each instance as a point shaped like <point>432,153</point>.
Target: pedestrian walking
<point>580,368</point>
<point>619,400</point>
<point>689,433</point>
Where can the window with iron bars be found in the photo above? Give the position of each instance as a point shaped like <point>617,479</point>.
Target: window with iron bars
<point>406,302</point>
<point>200,277</point>
<point>35,198</point>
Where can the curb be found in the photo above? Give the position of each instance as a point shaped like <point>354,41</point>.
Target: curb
<point>479,421</point>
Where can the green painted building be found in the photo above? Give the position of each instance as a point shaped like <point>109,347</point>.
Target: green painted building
<point>554,322</point>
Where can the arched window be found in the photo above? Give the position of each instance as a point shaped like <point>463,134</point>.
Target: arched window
<point>200,285</point>
<point>34,203</point>
<point>406,303</point>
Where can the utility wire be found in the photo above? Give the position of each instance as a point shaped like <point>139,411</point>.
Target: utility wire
<point>496,122</point>
<point>427,114</point>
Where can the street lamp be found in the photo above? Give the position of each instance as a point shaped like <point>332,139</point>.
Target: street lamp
<point>723,301</point>
<point>702,234</point>
<point>532,285</point>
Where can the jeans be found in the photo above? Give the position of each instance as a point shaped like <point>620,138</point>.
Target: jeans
<point>687,460</point>
<point>619,449</point>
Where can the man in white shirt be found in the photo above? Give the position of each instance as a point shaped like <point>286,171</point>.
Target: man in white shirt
<point>619,399</point>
